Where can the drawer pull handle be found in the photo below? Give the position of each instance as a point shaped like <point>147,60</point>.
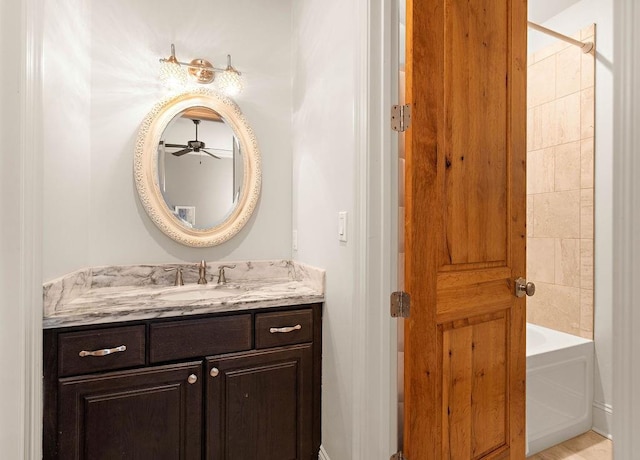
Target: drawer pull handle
<point>104,352</point>
<point>214,372</point>
<point>285,330</point>
<point>193,378</point>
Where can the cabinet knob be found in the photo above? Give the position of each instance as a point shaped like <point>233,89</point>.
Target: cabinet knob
<point>193,378</point>
<point>214,372</point>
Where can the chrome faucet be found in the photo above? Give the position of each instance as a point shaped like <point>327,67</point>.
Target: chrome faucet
<point>222,279</point>
<point>202,272</point>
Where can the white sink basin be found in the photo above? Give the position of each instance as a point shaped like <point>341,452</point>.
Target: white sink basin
<point>199,294</point>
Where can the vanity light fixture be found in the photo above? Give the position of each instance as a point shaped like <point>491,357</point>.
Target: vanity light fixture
<point>174,76</point>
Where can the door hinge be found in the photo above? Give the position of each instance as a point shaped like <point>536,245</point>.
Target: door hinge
<point>400,304</point>
<point>400,117</point>
<point>398,456</point>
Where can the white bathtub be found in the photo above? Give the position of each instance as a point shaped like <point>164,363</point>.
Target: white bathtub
<point>559,387</point>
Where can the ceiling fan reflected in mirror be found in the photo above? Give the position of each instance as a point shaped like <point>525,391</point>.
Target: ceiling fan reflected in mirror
<point>191,146</point>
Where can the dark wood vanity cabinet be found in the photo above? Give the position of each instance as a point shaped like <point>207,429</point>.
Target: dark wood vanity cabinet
<point>242,386</point>
<point>264,396</point>
<point>150,413</point>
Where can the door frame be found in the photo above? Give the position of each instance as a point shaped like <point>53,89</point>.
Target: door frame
<point>374,377</point>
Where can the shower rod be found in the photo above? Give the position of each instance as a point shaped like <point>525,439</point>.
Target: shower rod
<point>586,47</point>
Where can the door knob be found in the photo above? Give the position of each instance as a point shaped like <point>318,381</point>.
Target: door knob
<point>522,288</point>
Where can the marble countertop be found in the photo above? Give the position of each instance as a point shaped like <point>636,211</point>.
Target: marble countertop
<point>128,293</point>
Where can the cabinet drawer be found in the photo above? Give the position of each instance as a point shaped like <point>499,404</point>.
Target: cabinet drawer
<point>100,350</point>
<point>284,328</point>
<point>200,337</point>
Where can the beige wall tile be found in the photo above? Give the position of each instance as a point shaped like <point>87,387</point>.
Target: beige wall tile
<point>586,264</point>
<point>529,216</point>
<point>567,169</point>
<point>555,123</point>
<point>548,51</point>
<point>586,335</point>
<point>529,129</point>
<point>540,171</point>
<point>586,163</point>
<point>538,121</point>
<point>556,215</point>
<point>587,107</point>
<point>567,262</point>
<point>586,213</point>
<point>560,120</point>
<point>566,119</point>
<point>541,82</point>
<point>557,307</point>
<point>567,74</point>
<point>586,310</point>
<point>540,254</point>
<point>587,69</point>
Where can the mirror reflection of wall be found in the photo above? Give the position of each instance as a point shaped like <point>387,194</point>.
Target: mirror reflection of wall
<point>195,175</point>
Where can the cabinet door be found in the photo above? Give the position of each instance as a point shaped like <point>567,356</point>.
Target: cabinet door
<point>153,413</point>
<point>260,405</point>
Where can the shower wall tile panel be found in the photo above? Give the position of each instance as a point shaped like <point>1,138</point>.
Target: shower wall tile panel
<point>567,168</point>
<point>586,163</point>
<point>567,262</point>
<point>557,214</point>
<point>560,181</point>
<point>541,171</point>
<point>568,64</point>
<point>540,254</point>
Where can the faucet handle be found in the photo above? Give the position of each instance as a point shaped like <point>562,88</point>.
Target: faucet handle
<point>179,281</point>
<point>222,279</point>
<point>223,266</point>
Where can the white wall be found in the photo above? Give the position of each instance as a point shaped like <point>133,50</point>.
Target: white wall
<point>568,22</point>
<point>126,40</point>
<point>66,67</point>
<point>324,147</point>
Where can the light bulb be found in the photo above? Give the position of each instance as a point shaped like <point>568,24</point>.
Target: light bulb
<point>172,75</point>
<point>230,81</point>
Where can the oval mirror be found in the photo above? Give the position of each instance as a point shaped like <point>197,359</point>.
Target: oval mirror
<point>197,168</point>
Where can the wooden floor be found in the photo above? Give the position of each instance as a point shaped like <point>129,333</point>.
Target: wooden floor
<point>589,446</point>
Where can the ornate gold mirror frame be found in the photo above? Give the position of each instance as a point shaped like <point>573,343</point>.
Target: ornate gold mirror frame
<point>146,168</point>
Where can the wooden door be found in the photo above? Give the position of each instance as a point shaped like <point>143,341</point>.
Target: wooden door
<point>260,405</point>
<point>153,413</point>
<point>465,229</point>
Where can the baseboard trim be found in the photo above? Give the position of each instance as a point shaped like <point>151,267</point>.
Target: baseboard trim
<point>602,418</point>
<point>322,455</point>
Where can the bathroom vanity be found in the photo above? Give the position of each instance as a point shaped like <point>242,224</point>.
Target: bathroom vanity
<point>213,372</point>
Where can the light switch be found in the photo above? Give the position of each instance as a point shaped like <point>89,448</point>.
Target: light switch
<point>342,225</point>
